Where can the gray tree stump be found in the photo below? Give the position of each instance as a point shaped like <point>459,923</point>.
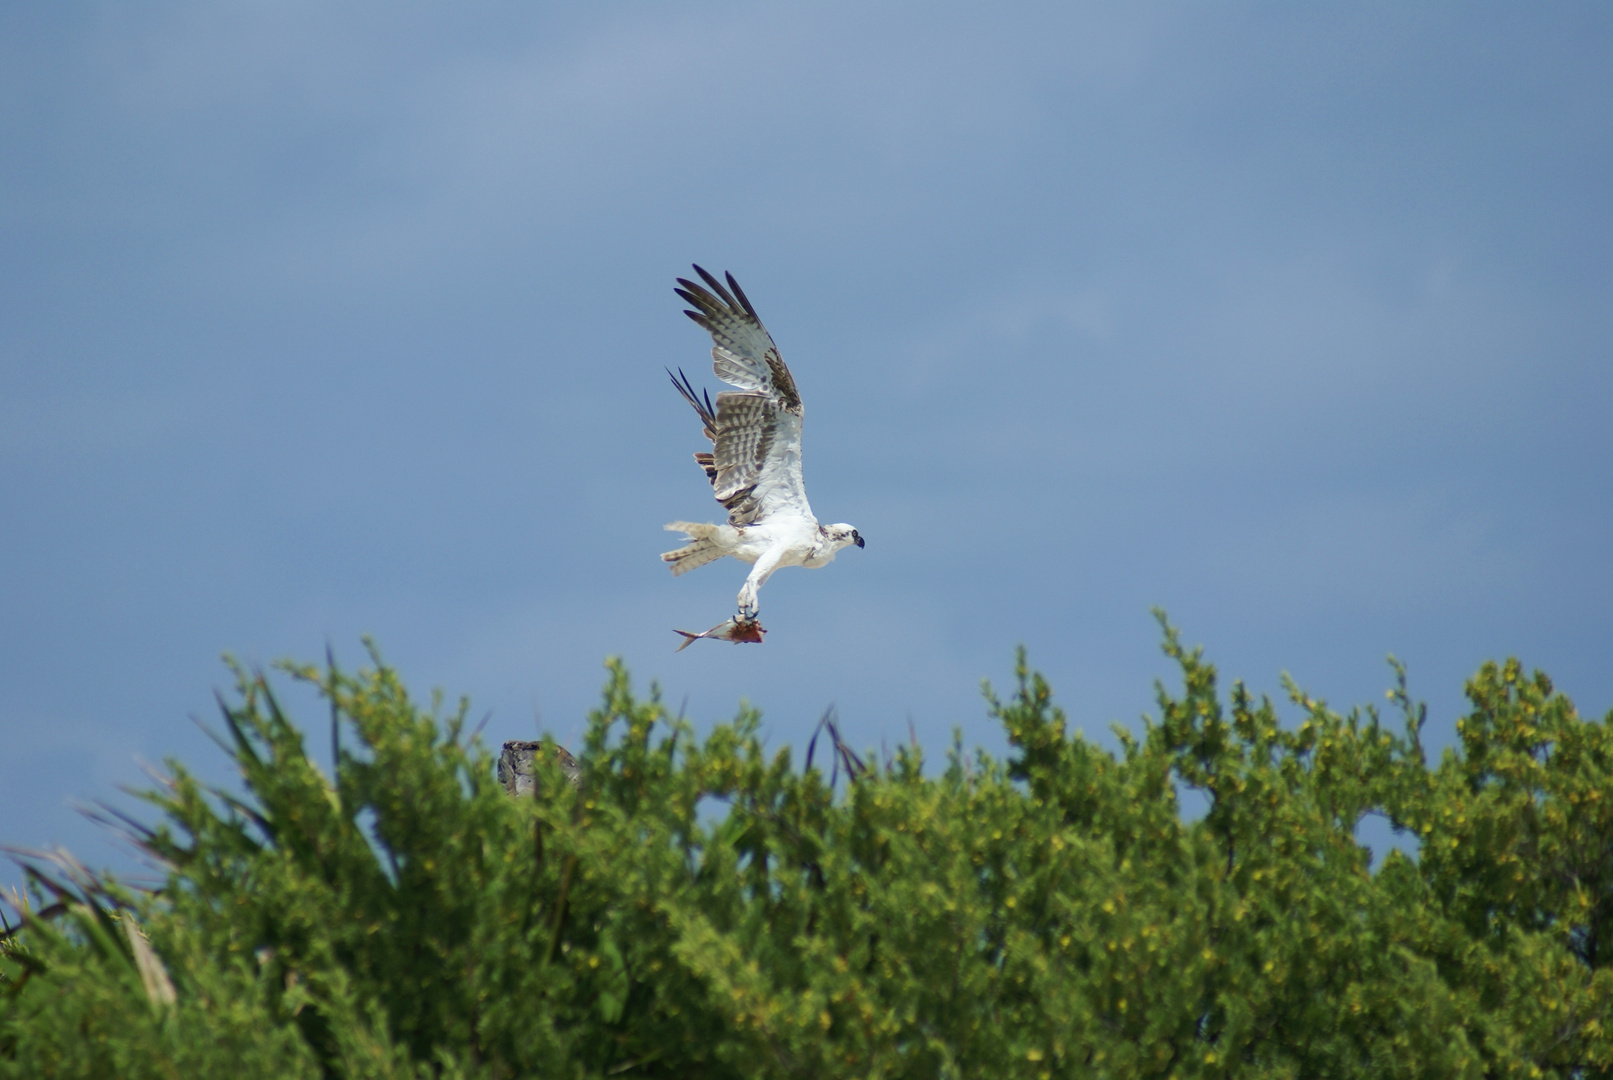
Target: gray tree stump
<point>515,767</point>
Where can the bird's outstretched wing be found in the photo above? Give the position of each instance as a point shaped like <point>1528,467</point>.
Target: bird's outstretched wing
<point>755,463</point>
<point>744,353</point>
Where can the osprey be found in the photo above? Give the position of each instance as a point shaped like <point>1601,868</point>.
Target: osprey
<point>755,462</point>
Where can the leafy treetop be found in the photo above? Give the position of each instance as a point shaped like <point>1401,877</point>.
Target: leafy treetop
<point>1048,915</point>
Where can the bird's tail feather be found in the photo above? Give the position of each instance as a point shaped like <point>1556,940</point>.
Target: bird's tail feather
<point>702,549</point>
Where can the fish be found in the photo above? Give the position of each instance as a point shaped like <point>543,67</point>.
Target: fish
<point>737,630</point>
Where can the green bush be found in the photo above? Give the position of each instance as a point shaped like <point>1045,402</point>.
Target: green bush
<point>698,909</point>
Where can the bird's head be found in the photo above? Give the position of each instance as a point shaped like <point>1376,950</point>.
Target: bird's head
<point>842,535</point>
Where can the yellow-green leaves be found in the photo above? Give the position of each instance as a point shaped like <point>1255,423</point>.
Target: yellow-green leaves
<point>698,907</point>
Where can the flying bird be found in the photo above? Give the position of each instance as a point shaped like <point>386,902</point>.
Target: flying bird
<point>754,464</point>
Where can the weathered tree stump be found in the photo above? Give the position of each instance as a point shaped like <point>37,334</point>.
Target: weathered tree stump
<point>515,766</point>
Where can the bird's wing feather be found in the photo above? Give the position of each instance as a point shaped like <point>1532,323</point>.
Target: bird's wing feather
<point>755,466</point>
<point>757,458</point>
<point>743,352</point>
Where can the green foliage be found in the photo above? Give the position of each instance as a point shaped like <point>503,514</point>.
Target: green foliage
<point>697,908</point>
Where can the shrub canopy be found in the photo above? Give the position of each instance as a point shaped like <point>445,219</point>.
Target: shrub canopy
<point>696,908</point>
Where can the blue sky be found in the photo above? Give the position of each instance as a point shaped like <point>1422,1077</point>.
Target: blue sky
<point>321,321</point>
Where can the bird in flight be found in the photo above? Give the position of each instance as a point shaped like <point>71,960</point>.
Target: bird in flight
<point>754,464</point>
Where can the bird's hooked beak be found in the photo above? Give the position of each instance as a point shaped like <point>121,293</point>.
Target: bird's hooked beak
<point>857,538</point>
